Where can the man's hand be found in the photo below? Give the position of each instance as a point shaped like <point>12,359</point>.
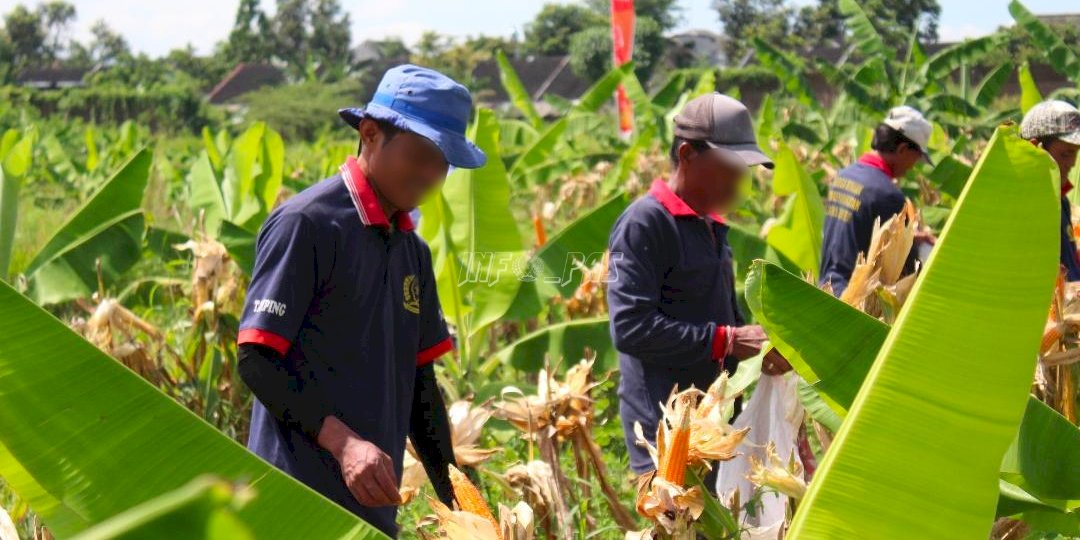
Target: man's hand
<point>747,341</point>
<point>367,470</point>
<point>925,236</point>
<point>774,363</point>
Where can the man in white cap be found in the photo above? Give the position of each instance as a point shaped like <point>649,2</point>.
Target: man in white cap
<point>1054,126</point>
<point>866,192</point>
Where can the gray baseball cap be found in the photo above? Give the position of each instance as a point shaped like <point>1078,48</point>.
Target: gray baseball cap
<point>1052,119</point>
<point>723,123</point>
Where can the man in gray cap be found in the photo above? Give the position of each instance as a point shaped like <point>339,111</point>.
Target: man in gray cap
<point>674,316</point>
<point>1054,126</point>
<point>866,192</point>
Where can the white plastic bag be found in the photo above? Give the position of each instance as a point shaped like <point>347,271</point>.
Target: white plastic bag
<point>773,413</point>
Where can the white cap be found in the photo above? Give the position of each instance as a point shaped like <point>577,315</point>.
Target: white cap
<point>911,124</point>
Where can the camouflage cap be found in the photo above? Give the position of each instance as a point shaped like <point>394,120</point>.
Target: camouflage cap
<point>1052,119</point>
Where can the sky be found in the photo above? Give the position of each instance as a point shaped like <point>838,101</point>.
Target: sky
<point>157,26</point>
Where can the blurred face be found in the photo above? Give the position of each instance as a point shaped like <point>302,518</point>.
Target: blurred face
<point>906,158</point>
<point>713,175</point>
<point>1064,154</point>
<point>403,168</point>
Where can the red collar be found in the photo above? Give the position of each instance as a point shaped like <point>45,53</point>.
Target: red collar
<point>674,204</point>
<point>874,160</point>
<point>1066,187</point>
<point>366,202</point>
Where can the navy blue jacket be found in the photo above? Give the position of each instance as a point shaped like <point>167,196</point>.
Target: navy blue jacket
<point>1068,246</point>
<point>671,295</point>
<point>863,193</point>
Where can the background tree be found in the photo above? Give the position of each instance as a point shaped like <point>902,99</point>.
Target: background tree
<point>665,13</point>
<point>591,54</point>
<point>24,37</point>
<point>56,17</point>
<point>250,39</point>
<point>743,20</point>
<point>550,32</point>
<point>331,38</point>
<point>290,35</point>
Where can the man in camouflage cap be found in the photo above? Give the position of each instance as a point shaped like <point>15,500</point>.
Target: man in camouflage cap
<point>1054,126</point>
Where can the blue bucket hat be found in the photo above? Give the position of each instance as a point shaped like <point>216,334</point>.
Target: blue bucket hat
<point>427,103</point>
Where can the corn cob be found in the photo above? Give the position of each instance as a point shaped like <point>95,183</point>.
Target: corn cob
<point>673,468</point>
<point>1050,338</point>
<point>469,498</point>
<point>538,226</point>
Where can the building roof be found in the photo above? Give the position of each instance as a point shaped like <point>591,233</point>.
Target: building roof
<point>1061,19</point>
<point>540,75</point>
<point>245,78</point>
<point>51,77</point>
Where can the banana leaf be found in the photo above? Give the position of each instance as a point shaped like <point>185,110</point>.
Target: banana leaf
<point>789,69</point>
<point>108,227</point>
<point>1058,54</point>
<point>518,95</point>
<point>15,160</point>
<point>967,52</point>
<point>584,240</point>
<point>240,243</point>
<point>936,380</point>
<point>87,439</point>
<point>565,342</point>
<point>797,234</point>
<point>205,508</point>
<point>1030,95</point>
<point>206,198</point>
<point>866,38</point>
<point>990,87</point>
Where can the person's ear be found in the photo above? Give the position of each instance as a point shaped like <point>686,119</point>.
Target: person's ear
<point>369,133</point>
<point>686,152</point>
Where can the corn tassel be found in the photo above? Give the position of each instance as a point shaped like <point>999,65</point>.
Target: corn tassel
<point>469,498</point>
<point>673,469</point>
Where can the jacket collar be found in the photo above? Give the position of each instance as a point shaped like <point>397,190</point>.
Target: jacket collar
<point>674,204</point>
<point>872,159</point>
<point>367,202</point>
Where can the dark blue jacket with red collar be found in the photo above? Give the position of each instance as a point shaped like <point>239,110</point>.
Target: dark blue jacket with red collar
<point>671,298</point>
<point>861,194</point>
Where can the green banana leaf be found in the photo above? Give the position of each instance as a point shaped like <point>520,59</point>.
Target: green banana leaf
<point>87,439</point>
<point>1044,460</point>
<point>584,239</point>
<point>866,38</point>
<point>797,234</point>
<point>1044,456</point>
<point>206,195</point>
<point>240,243</point>
<point>482,229</point>
<point>1030,95</point>
<point>518,95</point>
<point>543,149</point>
<point>1058,54</point>
<point>205,509</point>
<point>108,227</point>
<point>789,69</point>
<point>565,342</point>
<point>15,160</point>
<point>949,372</point>
<point>967,52</point>
<point>990,87</point>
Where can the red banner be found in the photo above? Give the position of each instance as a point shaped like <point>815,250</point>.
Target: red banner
<point>622,38</point>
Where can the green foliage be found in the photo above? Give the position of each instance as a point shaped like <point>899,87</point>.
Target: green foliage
<point>304,110</point>
<point>591,55</point>
<point>122,441</point>
<point>550,32</point>
<point>166,108</point>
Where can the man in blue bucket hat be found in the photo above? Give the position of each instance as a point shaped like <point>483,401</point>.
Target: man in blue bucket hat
<point>342,322</point>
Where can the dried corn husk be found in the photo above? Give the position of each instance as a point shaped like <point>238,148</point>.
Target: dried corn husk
<point>786,478</point>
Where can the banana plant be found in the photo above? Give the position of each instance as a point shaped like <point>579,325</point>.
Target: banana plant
<point>16,156</point>
<point>475,241</point>
<point>98,243</point>
<point>797,233</point>
<point>880,459</point>
<point>88,439</point>
<point>1060,56</point>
